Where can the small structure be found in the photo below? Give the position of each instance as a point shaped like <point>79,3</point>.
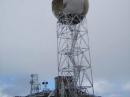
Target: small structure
<point>64,87</point>
<point>35,85</point>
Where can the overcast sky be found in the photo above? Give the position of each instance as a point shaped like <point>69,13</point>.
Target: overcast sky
<point>28,45</point>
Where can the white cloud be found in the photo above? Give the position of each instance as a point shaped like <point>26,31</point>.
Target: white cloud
<point>5,88</point>
<point>126,86</point>
<point>12,87</point>
<point>102,87</point>
<point>111,89</point>
<point>3,94</point>
<point>114,95</point>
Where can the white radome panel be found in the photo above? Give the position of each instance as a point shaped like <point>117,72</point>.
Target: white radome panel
<point>73,6</point>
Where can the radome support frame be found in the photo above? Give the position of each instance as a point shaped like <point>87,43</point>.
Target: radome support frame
<point>74,58</point>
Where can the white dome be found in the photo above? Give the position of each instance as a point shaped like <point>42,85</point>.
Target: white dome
<point>79,7</point>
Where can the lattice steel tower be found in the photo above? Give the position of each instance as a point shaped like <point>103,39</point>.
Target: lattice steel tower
<point>74,59</point>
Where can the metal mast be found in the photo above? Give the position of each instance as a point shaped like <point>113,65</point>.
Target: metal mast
<point>74,58</point>
<point>35,86</point>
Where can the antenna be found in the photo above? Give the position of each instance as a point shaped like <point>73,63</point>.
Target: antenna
<point>45,83</point>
